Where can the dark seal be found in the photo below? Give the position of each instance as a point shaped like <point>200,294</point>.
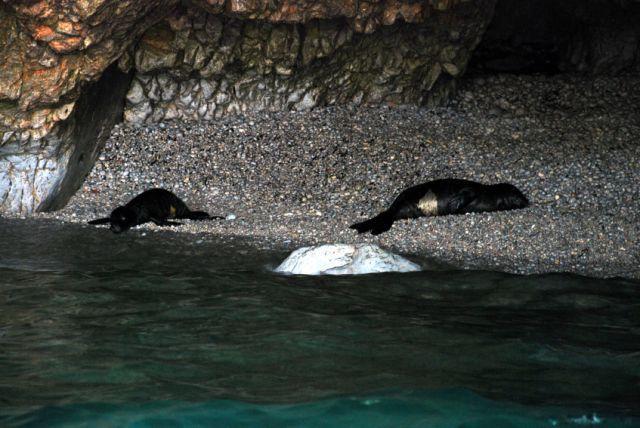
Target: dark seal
<point>443,197</point>
<point>154,205</point>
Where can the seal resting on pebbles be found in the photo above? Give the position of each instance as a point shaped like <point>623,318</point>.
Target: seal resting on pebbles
<point>155,205</point>
<point>443,197</point>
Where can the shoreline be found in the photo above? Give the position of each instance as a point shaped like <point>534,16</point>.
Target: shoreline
<point>570,143</point>
<point>431,258</point>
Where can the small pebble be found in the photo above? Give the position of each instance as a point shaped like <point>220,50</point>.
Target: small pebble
<point>570,143</point>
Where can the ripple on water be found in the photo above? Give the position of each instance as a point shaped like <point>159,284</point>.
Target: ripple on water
<point>123,327</point>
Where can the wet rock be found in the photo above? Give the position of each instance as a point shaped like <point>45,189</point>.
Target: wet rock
<point>344,259</point>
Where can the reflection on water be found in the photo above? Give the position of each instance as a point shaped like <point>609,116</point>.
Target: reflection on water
<point>91,317</point>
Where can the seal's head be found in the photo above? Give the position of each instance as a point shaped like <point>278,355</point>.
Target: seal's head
<point>121,219</point>
<point>508,196</point>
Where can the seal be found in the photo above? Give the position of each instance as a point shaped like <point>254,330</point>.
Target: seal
<point>153,205</point>
<point>443,197</point>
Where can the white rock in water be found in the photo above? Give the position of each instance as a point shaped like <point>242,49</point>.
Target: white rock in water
<point>344,259</point>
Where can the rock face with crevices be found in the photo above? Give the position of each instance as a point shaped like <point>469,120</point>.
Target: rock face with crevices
<point>201,59</point>
<point>53,121</point>
<point>195,65</point>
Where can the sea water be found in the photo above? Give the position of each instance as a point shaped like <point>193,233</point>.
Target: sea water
<point>156,329</point>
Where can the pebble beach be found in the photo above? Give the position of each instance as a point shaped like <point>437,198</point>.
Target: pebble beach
<point>570,143</point>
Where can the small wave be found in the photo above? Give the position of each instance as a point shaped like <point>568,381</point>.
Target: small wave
<point>433,409</point>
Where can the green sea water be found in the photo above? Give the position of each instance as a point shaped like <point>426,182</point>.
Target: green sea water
<point>149,329</point>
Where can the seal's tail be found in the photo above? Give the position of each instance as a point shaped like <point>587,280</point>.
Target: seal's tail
<point>201,215</point>
<point>377,225</point>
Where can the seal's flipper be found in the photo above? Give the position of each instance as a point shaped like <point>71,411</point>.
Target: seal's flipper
<point>200,215</point>
<point>100,221</point>
<point>377,225</point>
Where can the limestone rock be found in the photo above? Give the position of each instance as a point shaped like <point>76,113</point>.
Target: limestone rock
<point>299,67</point>
<point>55,47</point>
<point>362,15</point>
<point>344,259</point>
<point>50,52</point>
<point>50,157</point>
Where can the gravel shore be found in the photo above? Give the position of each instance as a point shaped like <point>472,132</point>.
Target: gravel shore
<point>570,143</point>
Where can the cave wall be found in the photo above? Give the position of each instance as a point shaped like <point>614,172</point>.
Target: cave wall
<point>195,65</point>
<point>52,118</point>
<point>583,36</point>
<point>49,175</point>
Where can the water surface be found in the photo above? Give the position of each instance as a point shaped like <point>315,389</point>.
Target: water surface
<point>143,328</point>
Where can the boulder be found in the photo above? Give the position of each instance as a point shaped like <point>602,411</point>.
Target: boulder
<point>344,259</point>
